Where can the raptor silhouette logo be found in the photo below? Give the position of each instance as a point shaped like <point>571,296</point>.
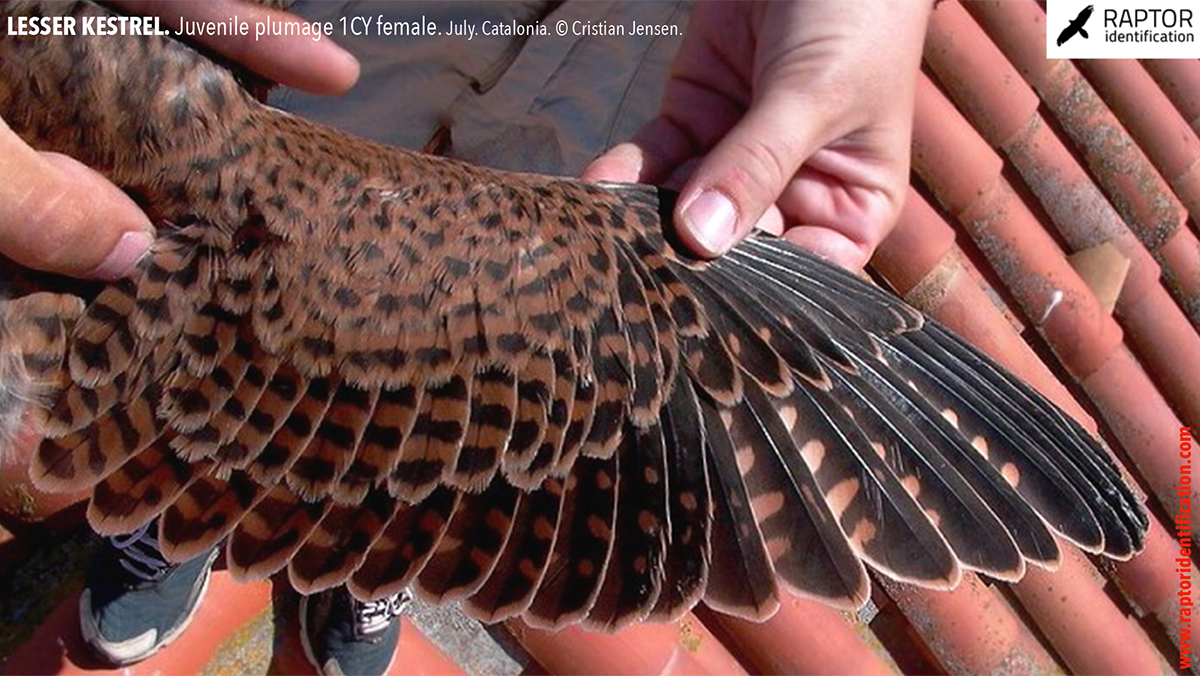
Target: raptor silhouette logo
<point>1076,26</point>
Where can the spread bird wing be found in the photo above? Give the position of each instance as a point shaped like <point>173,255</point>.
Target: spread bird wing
<point>385,369</point>
<point>766,399</point>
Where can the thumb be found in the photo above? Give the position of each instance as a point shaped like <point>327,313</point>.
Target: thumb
<point>59,216</point>
<point>744,174</point>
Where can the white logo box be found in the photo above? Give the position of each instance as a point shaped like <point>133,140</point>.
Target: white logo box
<point>1123,29</point>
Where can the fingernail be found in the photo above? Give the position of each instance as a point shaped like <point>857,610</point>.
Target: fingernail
<point>712,220</point>
<point>128,251</point>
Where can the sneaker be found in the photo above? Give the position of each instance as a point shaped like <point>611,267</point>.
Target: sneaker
<point>135,603</point>
<point>343,636</point>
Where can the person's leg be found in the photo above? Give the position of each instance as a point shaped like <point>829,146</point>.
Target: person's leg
<point>135,603</point>
<point>342,635</point>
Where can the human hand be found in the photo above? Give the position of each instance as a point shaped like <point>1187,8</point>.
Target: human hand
<point>59,216</point>
<point>315,66</point>
<point>792,116</point>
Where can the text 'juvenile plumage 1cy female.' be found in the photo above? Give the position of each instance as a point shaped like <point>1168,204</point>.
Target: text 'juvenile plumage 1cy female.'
<point>384,368</point>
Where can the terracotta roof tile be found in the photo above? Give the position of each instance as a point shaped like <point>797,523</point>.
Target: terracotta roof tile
<point>984,84</point>
<point>682,647</point>
<point>986,88</point>
<point>1180,81</point>
<point>1009,234</point>
<point>973,629</point>
<point>803,637</point>
<point>1121,168</point>
<point>1146,580</point>
<point>1153,121</point>
<point>1073,612</point>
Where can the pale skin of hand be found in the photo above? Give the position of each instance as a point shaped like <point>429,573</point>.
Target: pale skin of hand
<point>795,117</point>
<point>59,216</point>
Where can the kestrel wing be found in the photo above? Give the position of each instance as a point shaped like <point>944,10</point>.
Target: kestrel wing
<point>380,367</point>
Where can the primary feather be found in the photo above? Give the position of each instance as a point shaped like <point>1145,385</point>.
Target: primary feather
<point>383,368</point>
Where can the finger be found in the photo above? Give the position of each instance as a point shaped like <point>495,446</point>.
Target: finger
<point>59,216</point>
<point>316,66</point>
<point>832,245</point>
<point>653,153</point>
<point>678,178</point>
<point>860,207</point>
<point>744,174</point>
<point>620,164</point>
<point>771,221</point>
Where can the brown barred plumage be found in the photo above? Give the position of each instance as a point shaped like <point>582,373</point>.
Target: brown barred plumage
<point>383,368</point>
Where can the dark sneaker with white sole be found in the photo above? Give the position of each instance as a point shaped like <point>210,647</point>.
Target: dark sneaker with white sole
<point>135,603</point>
<point>343,636</point>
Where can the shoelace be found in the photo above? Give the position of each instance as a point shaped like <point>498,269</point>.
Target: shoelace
<point>139,554</point>
<point>373,617</point>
